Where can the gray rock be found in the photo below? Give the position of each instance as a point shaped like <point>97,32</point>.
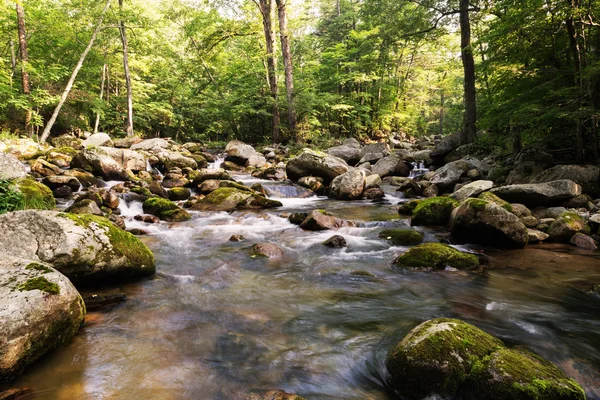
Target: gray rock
<point>372,181</point>
<point>11,168</point>
<point>472,189</point>
<point>130,159</point>
<point>100,163</point>
<point>173,159</point>
<point>392,165</point>
<point>550,212</point>
<point>566,226</point>
<point>536,236</point>
<point>380,147</point>
<point>40,310</point>
<point>152,145</point>
<point>449,175</point>
<point>445,147</point>
<point>83,247</point>
<point>524,172</point>
<point>536,194</point>
<point>588,176</point>
<point>312,163</point>
<point>347,153</point>
<point>584,241</point>
<point>98,139</point>
<point>370,158</point>
<point>352,143</point>
<point>348,186</point>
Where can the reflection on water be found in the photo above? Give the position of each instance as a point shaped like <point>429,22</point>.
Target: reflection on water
<point>215,323</point>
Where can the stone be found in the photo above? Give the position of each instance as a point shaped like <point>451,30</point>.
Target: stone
<point>165,209</point>
<point>351,142</point>
<point>66,141</point>
<point>11,168</point>
<point>436,256</point>
<point>44,168</point>
<point>435,211</point>
<point>372,181</point>
<point>380,147</point>
<point>392,165</point>
<point>201,175</point>
<point>98,162</point>
<point>587,176</point>
<point>311,182</point>
<point>153,145</point>
<point>530,221</point>
<point>179,193</point>
<point>98,139</point>
<point>87,179</point>
<point>336,242</point>
<point>520,210</point>
<point>23,149</point>
<point>472,189</point>
<point>85,248</point>
<point>349,154</point>
<point>480,221</point>
<point>584,241</point>
<point>35,195</point>
<point>580,201</point>
<point>59,181</point>
<point>208,186</point>
<point>401,237</point>
<point>524,172</point>
<point>536,236</point>
<point>268,250</point>
<point>449,175</point>
<point>128,159</point>
<point>370,158</point>
<point>173,159</point>
<point>273,395</point>
<point>236,238</point>
<point>40,310</point>
<point>156,189</point>
<point>445,147</point>
<point>318,221</point>
<point>536,194</point>
<point>566,226</point>
<point>312,163</point>
<point>85,206</point>
<point>348,186</point>
<point>297,218</point>
<point>234,198</point>
<point>373,193</point>
<point>126,142</point>
<point>240,153</point>
<point>147,218</point>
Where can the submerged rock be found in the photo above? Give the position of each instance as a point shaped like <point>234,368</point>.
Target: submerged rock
<point>268,250</point>
<point>435,211</point>
<point>40,310</point>
<point>83,247</point>
<point>336,242</point>
<point>436,256</point>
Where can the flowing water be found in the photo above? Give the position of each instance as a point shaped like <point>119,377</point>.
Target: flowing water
<point>215,323</point>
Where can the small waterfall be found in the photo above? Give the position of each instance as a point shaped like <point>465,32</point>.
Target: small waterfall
<point>148,166</point>
<point>418,170</point>
<point>217,163</point>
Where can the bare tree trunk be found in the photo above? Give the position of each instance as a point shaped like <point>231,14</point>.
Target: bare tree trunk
<point>266,8</point>
<point>441,128</point>
<point>129,126</point>
<point>67,90</point>
<point>339,8</point>
<point>469,131</point>
<point>576,52</point>
<point>26,84</point>
<point>104,67</point>
<point>13,60</point>
<point>288,66</point>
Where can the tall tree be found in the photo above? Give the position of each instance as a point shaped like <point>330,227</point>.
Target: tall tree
<point>122,30</point>
<point>469,132</point>
<point>288,66</point>
<point>26,84</point>
<point>69,86</point>
<point>267,8</point>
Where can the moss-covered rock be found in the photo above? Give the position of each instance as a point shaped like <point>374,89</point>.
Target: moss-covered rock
<point>409,207</point>
<point>165,210</point>
<point>36,196</point>
<point>402,237</point>
<point>492,198</point>
<point>509,374</point>
<point>566,226</point>
<point>85,206</point>
<point>436,357</point>
<point>234,198</point>
<point>436,256</point>
<point>433,212</point>
<point>179,193</point>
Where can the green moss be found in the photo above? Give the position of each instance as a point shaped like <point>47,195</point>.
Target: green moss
<point>436,256</point>
<point>165,210</point>
<point>402,237</point>
<point>408,208</point>
<point>435,211</point>
<point>142,191</point>
<point>35,195</point>
<point>492,198</point>
<point>39,283</point>
<point>67,150</point>
<point>235,185</point>
<point>38,267</point>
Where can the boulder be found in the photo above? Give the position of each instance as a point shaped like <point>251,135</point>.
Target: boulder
<point>66,141</point>
<point>436,256</point>
<point>256,161</point>
<point>240,153</point>
<point>98,139</point>
<point>201,175</point>
<point>99,163</point>
<point>445,147</point>
<point>268,250</point>
<point>44,168</point>
<point>434,211</point>
<point>318,221</point>
<point>85,206</point>
<point>380,148</point>
<point>313,163</point>
<point>179,193</point>
<point>336,242</point>
<point>311,182</point>
<point>492,198</point>
<point>402,237</point>
<point>59,181</point>
<point>479,221</point>
<point>373,193</point>
<point>35,195</point>
<point>83,247</point>
<point>584,241</point>
<point>153,145</point>
<point>40,310</point>
<point>372,181</point>
<point>173,159</point>
<point>587,176</point>
<point>11,168</point>
<point>566,226</point>
<point>370,158</point>
<point>126,142</point>
<point>24,149</point>
<point>536,236</point>
<point>536,194</point>
<point>234,198</point>
<point>449,175</point>
<point>165,210</point>
<point>472,189</point>
<point>348,186</point>
<point>87,179</point>
<point>392,165</point>
<point>347,153</point>
<point>128,159</point>
<point>524,172</point>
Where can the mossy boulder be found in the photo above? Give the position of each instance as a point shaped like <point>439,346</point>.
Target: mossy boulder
<point>436,256</point>
<point>566,226</point>
<point>408,207</point>
<point>233,197</point>
<point>85,248</point>
<point>480,221</point>
<point>35,195</point>
<point>436,357</point>
<point>492,198</point>
<point>433,212</point>
<point>40,310</point>
<point>509,374</point>
<point>165,210</point>
<point>179,193</point>
<point>402,237</point>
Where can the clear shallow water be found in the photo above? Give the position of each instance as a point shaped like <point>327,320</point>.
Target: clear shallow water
<point>215,323</point>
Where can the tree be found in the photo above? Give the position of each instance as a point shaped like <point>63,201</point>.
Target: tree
<point>26,84</point>
<point>122,31</point>
<point>469,132</point>
<point>288,66</point>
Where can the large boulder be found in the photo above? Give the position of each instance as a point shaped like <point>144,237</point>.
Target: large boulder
<point>392,165</point>
<point>434,211</point>
<point>472,189</point>
<point>40,310</point>
<point>401,236</point>
<point>205,174</point>
<point>11,168</point>
<point>165,210</point>
<point>318,221</point>
<point>98,139</point>
<point>153,145</point>
<point>588,176</point>
<point>314,163</point>
<point>347,153</point>
<point>566,226</point>
<point>449,175</point>
<point>445,147</point>
<point>480,221</point>
<point>42,167</point>
<point>129,159</point>
<point>524,172</point>
<point>173,159</point>
<point>376,148</point>
<point>83,247</point>
<point>436,256</point>
<point>239,152</point>
<point>539,194</point>
<point>24,149</point>
<point>35,195</point>
<point>99,163</point>
<point>234,198</point>
<point>348,186</point>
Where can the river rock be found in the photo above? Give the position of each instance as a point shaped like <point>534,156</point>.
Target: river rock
<point>241,153</point>
<point>536,236</point>
<point>479,221</point>
<point>59,181</point>
<point>565,226</point>
<point>401,236</point>
<point>24,149</point>
<point>347,153</point>
<point>373,193</point>
<point>66,141</point>
<point>98,162</point>
<point>234,198</point>
<point>536,194</point>
<point>445,147</point>
<point>372,181</point>
<point>83,247</point>
<point>370,158</point>
<point>524,172</point>
<point>472,189</point>
<point>201,175</point>
<point>165,210</point>
<point>98,139</point>
<point>336,242</point>
<point>348,186</point>
<point>179,193</point>
<point>435,211</point>
<point>268,250</point>
<point>129,159</point>
<point>44,168</point>
<point>584,241</point>
<point>449,175</point>
<point>436,256</point>
<point>392,165</point>
<point>313,163</point>
<point>173,159</point>
<point>36,195</point>
<point>318,221</point>
<point>87,179</point>
<point>274,395</point>
<point>153,145</point>
<point>588,176</point>
<point>85,206</point>
<point>40,310</point>
<point>311,182</point>
<point>11,168</point>
<point>380,147</point>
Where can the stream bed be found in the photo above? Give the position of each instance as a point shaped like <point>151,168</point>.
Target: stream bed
<point>215,323</point>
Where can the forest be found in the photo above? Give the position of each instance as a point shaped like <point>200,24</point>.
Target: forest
<point>504,73</point>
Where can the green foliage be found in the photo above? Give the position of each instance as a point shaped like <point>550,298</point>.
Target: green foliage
<point>10,199</point>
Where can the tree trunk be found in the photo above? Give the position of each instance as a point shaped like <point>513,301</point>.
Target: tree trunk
<point>288,66</point>
<point>104,68</point>
<point>26,84</point>
<point>13,60</point>
<point>266,9</point>
<point>67,90</point>
<point>469,131</point>
<point>441,127</point>
<point>129,125</point>
<point>576,53</point>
